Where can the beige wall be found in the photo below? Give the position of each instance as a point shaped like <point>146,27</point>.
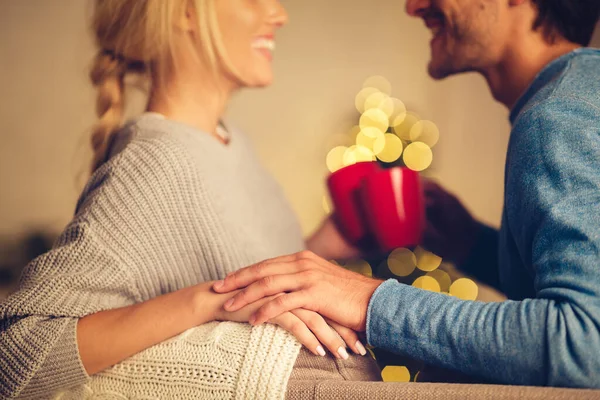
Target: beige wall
<point>323,56</point>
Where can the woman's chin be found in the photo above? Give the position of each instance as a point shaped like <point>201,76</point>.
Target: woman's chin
<point>261,82</point>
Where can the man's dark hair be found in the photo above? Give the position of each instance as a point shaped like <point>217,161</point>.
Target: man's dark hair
<point>574,20</point>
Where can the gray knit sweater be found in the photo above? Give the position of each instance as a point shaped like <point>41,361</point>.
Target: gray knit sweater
<point>172,207</point>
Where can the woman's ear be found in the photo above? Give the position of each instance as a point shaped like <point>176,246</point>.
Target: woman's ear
<point>187,19</point>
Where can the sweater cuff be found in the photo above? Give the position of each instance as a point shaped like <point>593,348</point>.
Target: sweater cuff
<point>380,301</point>
<point>274,351</point>
<point>62,368</point>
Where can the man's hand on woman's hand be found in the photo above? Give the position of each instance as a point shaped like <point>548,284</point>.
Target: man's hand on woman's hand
<point>310,328</point>
<point>302,281</point>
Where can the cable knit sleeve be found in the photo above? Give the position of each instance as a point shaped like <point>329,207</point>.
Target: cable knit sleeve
<point>151,221</point>
<point>126,214</point>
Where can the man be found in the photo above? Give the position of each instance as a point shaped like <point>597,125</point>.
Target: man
<point>548,264</point>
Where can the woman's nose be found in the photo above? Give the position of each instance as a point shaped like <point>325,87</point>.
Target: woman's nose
<point>279,16</point>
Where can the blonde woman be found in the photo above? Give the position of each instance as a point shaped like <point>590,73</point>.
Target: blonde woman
<point>176,201</point>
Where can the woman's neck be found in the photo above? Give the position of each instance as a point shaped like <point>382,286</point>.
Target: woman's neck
<point>195,102</point>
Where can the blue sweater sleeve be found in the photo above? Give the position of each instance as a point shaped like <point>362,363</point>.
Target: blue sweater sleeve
<point>553,206</point>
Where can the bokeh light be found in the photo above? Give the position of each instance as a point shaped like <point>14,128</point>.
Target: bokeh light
<point>393,373</point>
<point>426,132</point>
<point>442,278</point>
<point>381,101</point>
<point>418,156</point>
<point>335,158</point>
<point>404,123</point>
<point>426,260</point>
<point>371,138</point>
<point>464,289</point>
<point>402,262</point>
<point>427,283</point>
<point>380,83</point>
<point>362,96</point>
<point>392,148</point>
<point>355,154</point>
<point>399,113</point>
<point>360,266</point>
<point>375,118</point>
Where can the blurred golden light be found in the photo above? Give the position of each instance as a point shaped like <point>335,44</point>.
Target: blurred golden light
<point>426,132</point>
<point>335,158</point>
<point>442,278</point>
<point>375,118</point>
<point>392,148</point>
<point>393,373</point>
<point>399,113</point>
<point>362,96</point>
<point>417,376</point>
<point>381,101</point>
<point>402,262</point>
<point>368,137</point>
<point>464,289</point>
<point>380,83</point>
<point>426,260</point>
<point>355,154</point>
<point>418,156</point>
<point>404,123</point>
<point>427,283</point>
<point>360,266</point>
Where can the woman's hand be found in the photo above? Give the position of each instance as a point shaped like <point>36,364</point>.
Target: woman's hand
<point>302,280</point>
<point>311,329</point>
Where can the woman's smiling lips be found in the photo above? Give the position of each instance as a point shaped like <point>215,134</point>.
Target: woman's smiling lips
<point>265,45</point>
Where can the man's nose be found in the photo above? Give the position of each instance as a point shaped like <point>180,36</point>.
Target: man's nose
<point>416,8</point>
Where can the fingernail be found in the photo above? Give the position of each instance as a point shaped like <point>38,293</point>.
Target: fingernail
<point>228,303</point>
<point>218,284</point>
<point>321,351</point>
<point>361,348</point>
<point>343,353</point>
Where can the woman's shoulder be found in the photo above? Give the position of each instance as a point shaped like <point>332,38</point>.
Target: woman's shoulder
<point>151,131</point>
<point>145,158</point>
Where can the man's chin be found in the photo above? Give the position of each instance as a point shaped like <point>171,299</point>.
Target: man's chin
<point>437,71</point>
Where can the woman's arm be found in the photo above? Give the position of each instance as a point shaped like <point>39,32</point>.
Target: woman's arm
<point>328,243</point>
<point>108,337</point>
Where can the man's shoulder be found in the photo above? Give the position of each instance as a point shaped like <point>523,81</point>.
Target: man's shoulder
<point>581,78</point>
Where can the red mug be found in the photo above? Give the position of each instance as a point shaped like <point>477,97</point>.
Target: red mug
<point>344,187</point>
<point>393,204</point>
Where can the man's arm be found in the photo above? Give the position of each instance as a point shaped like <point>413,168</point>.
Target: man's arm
<point>552,339</point>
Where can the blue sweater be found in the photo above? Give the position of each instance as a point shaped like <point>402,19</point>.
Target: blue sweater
<point>548,264</point>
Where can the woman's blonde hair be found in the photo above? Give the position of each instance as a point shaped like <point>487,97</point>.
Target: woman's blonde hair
<point>136,36</point>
